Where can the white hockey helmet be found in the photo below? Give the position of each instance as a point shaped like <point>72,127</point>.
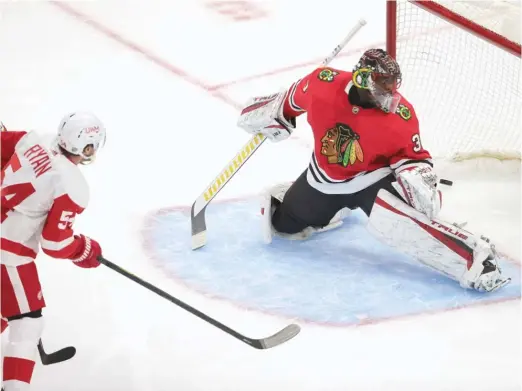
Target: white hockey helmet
<point>77,131</point>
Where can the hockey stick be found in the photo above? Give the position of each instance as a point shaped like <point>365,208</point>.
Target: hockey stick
<point>55,357</point>
<point>278,338</point>
<point>197,213</point>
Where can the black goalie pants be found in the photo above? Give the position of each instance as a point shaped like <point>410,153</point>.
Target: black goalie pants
<point>303,206</point>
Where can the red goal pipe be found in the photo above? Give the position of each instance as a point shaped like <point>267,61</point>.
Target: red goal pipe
<point>452,17</point>
<point>391,27</point>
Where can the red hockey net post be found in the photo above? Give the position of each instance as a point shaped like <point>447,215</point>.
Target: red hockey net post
<point>461,66</point>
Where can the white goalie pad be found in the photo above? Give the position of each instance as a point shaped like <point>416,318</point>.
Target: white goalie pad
<point>444,247</point>
<point>269,200</point>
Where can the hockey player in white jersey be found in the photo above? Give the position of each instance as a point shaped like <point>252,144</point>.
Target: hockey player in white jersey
<point>42,192</point>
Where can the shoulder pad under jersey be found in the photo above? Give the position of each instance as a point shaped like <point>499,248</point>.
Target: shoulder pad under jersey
<point>71,181</point>
<point>405,110</point>
<point>331,75</point>
<point>28,139</point>
<point>329,80</point>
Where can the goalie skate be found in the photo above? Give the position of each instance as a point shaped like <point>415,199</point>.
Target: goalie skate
<point>485,275</point>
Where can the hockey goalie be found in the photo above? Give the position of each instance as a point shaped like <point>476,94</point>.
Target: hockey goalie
<point>367,154</point>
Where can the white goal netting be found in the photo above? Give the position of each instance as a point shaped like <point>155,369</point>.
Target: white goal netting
<point>466,90</point>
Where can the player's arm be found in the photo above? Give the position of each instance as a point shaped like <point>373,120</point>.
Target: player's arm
<point>298,95</point>
<point>413,168</point>
<point>274,115</point>
<point>58,237</point>
<point>9,139</point>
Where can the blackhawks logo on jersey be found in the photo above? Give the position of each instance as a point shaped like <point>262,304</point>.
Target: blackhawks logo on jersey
<point>404,112</point>
<point>340,145</point>
<point>327,75</point>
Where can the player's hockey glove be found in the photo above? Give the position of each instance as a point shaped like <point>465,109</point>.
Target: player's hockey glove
<point>264,114</point>
<point>87,254</point>
<point>417,184</point>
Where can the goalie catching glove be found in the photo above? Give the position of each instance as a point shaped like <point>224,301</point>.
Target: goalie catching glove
<point>264,114</point>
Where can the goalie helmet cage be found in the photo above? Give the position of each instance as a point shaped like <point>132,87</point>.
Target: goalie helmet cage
<point>460,62</point>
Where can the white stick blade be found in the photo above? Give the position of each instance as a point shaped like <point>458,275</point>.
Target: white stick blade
<point>280,337</point>
<point>199,240</point>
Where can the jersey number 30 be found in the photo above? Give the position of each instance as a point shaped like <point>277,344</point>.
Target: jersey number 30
<point>14,195</point>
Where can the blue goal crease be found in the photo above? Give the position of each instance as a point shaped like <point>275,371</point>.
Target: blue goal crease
<point>343,276</point>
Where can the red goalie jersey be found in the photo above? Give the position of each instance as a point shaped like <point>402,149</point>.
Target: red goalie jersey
<point>355,144</point>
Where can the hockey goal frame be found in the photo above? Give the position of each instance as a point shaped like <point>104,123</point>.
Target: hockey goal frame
<point>461,22</point>
<point>450,16</point>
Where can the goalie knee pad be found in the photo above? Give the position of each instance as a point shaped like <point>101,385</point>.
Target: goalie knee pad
<point>270,201</point>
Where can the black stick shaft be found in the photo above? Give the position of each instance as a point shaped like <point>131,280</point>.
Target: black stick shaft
<point>172,299</point>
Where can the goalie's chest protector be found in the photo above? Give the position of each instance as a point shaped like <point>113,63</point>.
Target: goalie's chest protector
<point>349,140</point>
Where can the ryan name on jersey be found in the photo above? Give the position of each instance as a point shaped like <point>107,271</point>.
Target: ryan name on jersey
<point>39,159</point>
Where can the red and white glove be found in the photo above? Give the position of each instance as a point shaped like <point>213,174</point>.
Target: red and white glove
<point>417,184</point>
<point>86,256</point>
<point>264,114</point>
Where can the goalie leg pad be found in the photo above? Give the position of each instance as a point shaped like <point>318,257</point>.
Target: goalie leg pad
<point>458,254</point>
<point>289,221</point>
<point>270,200</point>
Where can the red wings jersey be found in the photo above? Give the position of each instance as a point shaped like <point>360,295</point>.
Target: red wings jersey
<point>42,193</point>
<point>354,147</point>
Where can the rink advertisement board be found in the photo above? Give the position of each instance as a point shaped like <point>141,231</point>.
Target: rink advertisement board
<point>340,277</point>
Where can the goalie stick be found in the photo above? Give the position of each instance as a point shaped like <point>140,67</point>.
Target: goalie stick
<point>55,357</point>
<point>197,213</point>
<point>274,340</point>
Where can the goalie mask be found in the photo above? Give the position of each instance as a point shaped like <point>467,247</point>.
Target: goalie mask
<point>379,74</point>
